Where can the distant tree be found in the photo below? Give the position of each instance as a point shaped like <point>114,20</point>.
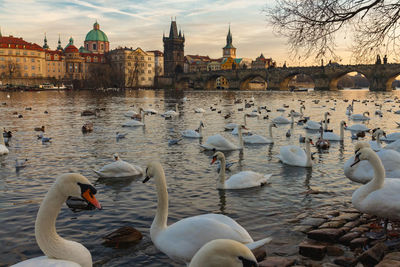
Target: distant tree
<point>13,69</point>
<point>312,26</point>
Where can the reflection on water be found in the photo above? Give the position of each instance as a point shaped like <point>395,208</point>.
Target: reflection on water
<point>264,211</point>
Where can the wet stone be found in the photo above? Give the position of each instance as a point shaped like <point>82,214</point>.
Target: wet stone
<point>260,253</point>
<point>303,228</point>
<point>392,256</point>
<point>333,213</point>
<point>345,261</point>
<point>334,251</point>
<point>348,237</point>
<point>326,234</point>
<point>388,263</point>
<point>359,229</point>
<point>313,251</point>
<point>353,224</point>
<point>347,217</point>
<point>358,242</point>
<point>333,224</point>
<point>276,262</point>
<point>313,221</point>
<point>372,256</point>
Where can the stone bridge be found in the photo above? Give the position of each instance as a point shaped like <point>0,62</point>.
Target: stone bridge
<point>380,77</point>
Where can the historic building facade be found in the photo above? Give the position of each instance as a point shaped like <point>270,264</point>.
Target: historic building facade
<point>20,59</point>
<point>137,66</point>
<point>262,63</point>
<point>96,40</point>
<point>174,51</point>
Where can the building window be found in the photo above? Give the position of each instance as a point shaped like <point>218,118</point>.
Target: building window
<point>25,67</point>
<point>129,63</point>
<point>150,79</point>
<point>32,60</point>
<point>142,64</point>
<point>70,68</point>
<point>26,74</point>
<point>10,52</point>
<point>102,46</point>
<point>142,78</point>
<point>33,67</point>
<point>94,47</point>
<point>1,51</point>
<point>25,53</point>
<point>18,59</point>
<point>32,53</point>
<point>2,58</point>
<point>149,71</point>
<point>24,59</point>
<point>142,58</point>
<point>17,53</point>
<point>148,65</point>
<point>142,71</point>
<point>76,67</point>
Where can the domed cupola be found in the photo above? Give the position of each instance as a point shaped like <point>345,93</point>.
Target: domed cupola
<point>96,40</point>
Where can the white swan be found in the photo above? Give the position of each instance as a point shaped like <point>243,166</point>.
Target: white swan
<point>380,196</point>
<point>218,142</point>
<point>391,137</point>
<point>334,137</point>
<point>223,252</point>
<point>298,114</point>
<point>135,123</point>
<point>232,126</point>
<point>357,128</point>
<point>363,171</point>
<point>394,146</point>
<point>312,125</point>
<point>193,133</point>
<point>199,110</point>
<point>295,156</point>
<point>172,112</point>
<point>282,120</point>
<point>326,121</point>
<point>377,144</point>
<point>181,240</point>
<point>244,179</point>
<point>3,148</point>
<point>360,117</point>
<point>131,113</point>
<point>258,139</point>
<point>150,111</point>
<point>119,169</point>
<point>59,251</point>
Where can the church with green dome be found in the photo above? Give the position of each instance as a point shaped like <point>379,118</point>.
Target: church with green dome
<point>96,41</point>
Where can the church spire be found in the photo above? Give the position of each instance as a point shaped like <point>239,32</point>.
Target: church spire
<point>59,47</point>
<point>0,33</point>
<point>45,46</point>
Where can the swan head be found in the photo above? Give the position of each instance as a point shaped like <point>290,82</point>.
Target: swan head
<point>309,140</point>
<point>151,170</point>
<point>273,125</point>
<point>201,124</point>
<point>327,114</point>
<point>217,156</point>
<point>363,154</point>
<point>116,156</point>
<point>224,252</point>
<point>76,185</point>
<point>343,123</point>
<point>379,132</point>
<point>360,145</point>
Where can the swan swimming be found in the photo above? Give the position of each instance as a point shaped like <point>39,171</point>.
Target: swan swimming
<point>244,179</point>
<point>218,142</point>
<point>223,252</point>
<point>295,156</point>
<point>360,117</point>
<point>61,252</point>
<point>334,137</point>
<point>135,123</point>
<point>193,133</point>
<point>258,139</point>
<point>119,169</point>
<point>182,239</point>
<point>363,172</point>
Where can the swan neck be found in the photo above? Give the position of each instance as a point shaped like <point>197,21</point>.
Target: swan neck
<point>2,139</point>
<point>221,176</point>
<point>308,154</point>
<point>53,245</point>
<point>270,130</point>
<point>160,220</point>
<point>144,115</point>
<point>240,137</point>
<point>379,174</point>
<point>341,131</point>
<point>245,119</point>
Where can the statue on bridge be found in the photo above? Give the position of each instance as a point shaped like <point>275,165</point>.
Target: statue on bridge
<point>378,60</point>
<point>385,59</point>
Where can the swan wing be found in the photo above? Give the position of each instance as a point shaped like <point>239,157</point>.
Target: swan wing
<point>392,137</point>
<point>3,150</point>
<point>383,202</point>
<point>280,120</point>
<point>132,123</point>
<point>362,172</point>
<point>246,179</point>
<point>219,143</point>
<point>190,134</point>
<point>44,261</point>
<point>357,127</point>
<point>181,240</point>
<point>330,136</point>
<point>293,155</point>
<point>256,139</point>
<point>395,145</point>
<point>119,168</point>
<point>230,126</point>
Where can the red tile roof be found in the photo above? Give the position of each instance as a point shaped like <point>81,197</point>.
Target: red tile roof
<point>13,42</point>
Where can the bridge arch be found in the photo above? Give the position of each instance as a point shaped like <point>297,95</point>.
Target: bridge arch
<point>253,82</point>
<point>307,81</point>
<point>390,83</point>
<point>333,83</point>
<point>216,81</point>
<point>184,83</point>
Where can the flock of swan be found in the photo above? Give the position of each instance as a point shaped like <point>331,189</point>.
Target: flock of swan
<point>216,239</point>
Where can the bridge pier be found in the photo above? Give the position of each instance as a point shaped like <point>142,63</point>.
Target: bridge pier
<point>323,84</point>
<point>380,84</point>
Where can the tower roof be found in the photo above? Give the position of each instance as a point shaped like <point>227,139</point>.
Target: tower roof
<point>229,39</point>
<point>96,34</point>
<point>173,31</point>
<point>71,48</point>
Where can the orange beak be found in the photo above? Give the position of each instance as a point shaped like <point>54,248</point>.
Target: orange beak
<point>213,160</point>
<point>311,142</point>
<point>89,197</point>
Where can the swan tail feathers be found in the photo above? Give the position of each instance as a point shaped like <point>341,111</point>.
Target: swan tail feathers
<point>258,243</point>
<point>267,177</point>
<point>98,173</point>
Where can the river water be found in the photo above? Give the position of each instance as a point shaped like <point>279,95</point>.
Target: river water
<point>265,211</point>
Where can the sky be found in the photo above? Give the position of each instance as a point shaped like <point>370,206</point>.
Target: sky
<point>141,23</point>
